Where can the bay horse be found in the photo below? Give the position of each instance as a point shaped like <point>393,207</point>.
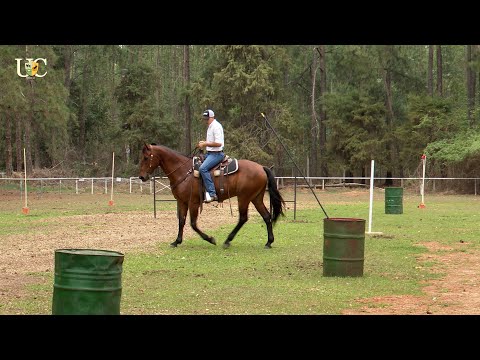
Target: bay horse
<point>248,184</point>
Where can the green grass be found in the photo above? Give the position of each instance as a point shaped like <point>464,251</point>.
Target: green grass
<point>196,278</point>
<point>199,278</point>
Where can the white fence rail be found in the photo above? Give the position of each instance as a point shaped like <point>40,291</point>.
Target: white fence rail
<point>94,185</point>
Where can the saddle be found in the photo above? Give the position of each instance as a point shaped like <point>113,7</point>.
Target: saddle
<point>226,167</point>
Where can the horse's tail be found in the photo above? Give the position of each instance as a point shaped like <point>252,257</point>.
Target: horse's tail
<point>276,201</point>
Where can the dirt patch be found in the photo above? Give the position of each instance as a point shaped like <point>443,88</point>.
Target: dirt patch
<point>23,255</point>
<point>455,293</point>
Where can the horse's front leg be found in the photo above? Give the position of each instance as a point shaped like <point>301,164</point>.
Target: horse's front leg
<point>182,209</point>
<point>193,222</point>
<point>242,219</point>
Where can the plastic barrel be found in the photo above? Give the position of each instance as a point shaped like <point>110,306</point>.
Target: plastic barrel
<point>393,200</point>
<point>343,246</point>
<point>87,282</point>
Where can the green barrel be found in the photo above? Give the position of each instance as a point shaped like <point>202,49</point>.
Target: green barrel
<point>343,246</point>
<point>87,282</point>
<point>393,200</point>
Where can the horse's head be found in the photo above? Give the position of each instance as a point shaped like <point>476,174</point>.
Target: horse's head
<point>149,162</point>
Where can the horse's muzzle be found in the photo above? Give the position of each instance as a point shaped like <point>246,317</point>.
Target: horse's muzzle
<point>144,178</point>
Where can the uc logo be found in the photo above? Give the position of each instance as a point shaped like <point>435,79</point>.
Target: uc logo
<point>31,67</point>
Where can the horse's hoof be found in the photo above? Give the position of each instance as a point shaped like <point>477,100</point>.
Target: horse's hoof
<point>212,241</point>
<point>268,246</point>
<point>173,244</point>
<point>226,245</point>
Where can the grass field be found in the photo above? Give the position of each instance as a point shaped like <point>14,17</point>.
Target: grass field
<point>199,278</point>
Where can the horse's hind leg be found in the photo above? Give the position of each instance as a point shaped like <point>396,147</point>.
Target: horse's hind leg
<point>182,209</point>
<point>243,217</point>
<point>193,223</point>
<point>260,206</point>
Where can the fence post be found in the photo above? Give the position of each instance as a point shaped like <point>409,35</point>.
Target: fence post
<point>92,186</point>
<point>475,187</point>
<point>76,187</point>
<point>106,189</point>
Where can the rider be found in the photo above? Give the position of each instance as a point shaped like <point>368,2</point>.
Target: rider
<point>214,155</point>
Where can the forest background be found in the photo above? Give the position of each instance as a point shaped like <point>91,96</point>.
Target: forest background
<point>335,107</point>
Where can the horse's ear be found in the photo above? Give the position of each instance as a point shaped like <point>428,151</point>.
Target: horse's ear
<point>146,147</point>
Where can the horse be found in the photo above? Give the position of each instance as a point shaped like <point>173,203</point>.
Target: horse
<point>248,184</point>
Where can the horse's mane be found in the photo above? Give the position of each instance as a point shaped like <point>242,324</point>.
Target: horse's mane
<point>171,150</point>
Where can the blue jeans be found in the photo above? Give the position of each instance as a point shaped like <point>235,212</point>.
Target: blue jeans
<point>211,160</point>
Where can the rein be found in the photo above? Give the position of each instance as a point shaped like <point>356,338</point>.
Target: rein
<point>171,172</point>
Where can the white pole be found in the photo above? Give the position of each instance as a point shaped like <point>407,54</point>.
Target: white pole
<point>370,211</point>
<point>25,166</point>
<point>422,188</point>
<point>424,159</point>
<point>113,170</point>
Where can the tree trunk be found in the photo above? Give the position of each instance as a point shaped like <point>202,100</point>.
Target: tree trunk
<point>439,71</point>
<point>475,88</point>
<point>388,99</point>
<point>158,90</point>
<point>174,69</point>
<point>82,122</point>
<point>37,156</point>
<point>8,144</point>
<point>430,71</point>
<point>470,86</point>
<point>388,180</point>
<point>323,112</point>
<point>68,54</point>
<point>28,121</point>
<point>186,105</point>
<point>314,122</point>
<point>18,142</point>
<point>389,107</point>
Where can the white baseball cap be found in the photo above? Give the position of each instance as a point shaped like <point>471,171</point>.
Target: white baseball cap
<point>208,113</point>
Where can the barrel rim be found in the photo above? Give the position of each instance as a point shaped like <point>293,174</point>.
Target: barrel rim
<point>345,219</point>
<point>90,252</point>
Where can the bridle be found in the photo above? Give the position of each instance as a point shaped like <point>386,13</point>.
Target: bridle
<point>171,172</point>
